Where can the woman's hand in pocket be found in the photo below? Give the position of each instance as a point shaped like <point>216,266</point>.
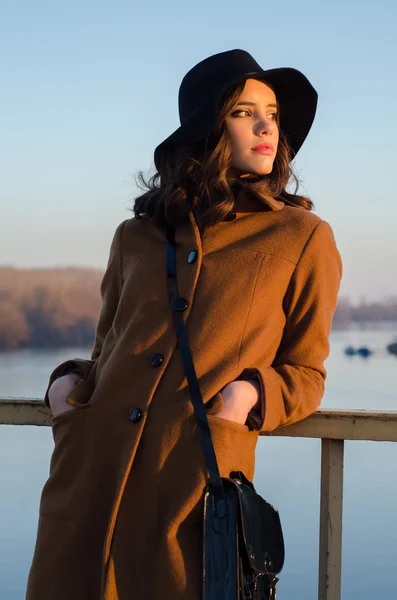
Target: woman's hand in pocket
<point>58,392</point>
<point>239,398</point>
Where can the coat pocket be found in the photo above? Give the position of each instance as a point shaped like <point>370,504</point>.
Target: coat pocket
<point>214,405</point>
<point>234,444</point>
<point>80,396</point>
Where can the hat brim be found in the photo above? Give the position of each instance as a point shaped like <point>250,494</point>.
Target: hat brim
<point>297,100</point>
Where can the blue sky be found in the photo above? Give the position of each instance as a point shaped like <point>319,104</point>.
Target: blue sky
<point>90,88</point>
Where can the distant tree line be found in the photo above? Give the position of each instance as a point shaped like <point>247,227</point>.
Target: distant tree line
<point>44,308</point>
<point>365,312</point>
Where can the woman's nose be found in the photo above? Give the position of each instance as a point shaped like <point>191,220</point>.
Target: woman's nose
<point>266,126</point>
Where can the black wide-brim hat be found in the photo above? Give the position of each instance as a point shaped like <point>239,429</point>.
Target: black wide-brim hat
<point>204,85</point>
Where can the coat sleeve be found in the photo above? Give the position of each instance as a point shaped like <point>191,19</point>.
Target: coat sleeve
<point>110,290</point>
<point>293,386</point>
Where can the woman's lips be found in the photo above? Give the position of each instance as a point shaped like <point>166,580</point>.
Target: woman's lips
<point>264,149</point>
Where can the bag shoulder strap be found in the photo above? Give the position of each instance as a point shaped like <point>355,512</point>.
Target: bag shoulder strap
<point>177,307</point>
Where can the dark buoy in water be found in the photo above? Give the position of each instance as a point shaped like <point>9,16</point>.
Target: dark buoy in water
<point>392,348</point>
<point>350,351</point>
<point>364,351</point>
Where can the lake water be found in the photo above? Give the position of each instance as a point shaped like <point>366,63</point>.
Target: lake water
<point>287,474</point>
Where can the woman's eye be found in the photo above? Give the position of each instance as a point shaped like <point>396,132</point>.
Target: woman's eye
<point>240,111</point>
<point>273,116</point>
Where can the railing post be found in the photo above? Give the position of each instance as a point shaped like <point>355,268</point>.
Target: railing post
<point>330,562</point>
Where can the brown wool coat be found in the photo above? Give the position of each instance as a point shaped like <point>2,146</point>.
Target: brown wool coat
<point>120,514</point>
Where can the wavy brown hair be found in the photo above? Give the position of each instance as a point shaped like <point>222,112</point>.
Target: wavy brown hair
<point>195,177</point>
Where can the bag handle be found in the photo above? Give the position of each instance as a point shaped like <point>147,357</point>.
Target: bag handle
<point>177,307</point>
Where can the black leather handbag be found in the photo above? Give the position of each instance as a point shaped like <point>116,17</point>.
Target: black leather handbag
<point>243,545</point>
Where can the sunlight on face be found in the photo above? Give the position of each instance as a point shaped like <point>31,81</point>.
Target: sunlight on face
<point>251,122</point>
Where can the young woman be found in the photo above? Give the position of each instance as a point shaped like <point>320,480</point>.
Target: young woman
<point>121,512</point>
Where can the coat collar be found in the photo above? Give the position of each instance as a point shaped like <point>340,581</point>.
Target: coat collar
<point>250,201</point>
<point>247,200</point>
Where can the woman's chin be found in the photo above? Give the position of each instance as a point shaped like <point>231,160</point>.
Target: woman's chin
<point>253,169</point>
<point>256,172</point>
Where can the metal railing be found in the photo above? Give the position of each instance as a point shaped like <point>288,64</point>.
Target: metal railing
<point>333,427</point>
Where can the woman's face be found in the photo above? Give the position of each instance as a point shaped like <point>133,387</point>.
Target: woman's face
<point>250,123</point>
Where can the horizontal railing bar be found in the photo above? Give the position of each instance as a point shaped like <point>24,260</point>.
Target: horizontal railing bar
<point>337,424</point>
<point>24,411</point>
<point>364,425</point>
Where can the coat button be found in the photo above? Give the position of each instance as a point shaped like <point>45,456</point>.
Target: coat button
<point>230,216</point>
<point>180,304</point>
<point>156,359</point>
<point>135,415</point>
<point>192,257</point>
